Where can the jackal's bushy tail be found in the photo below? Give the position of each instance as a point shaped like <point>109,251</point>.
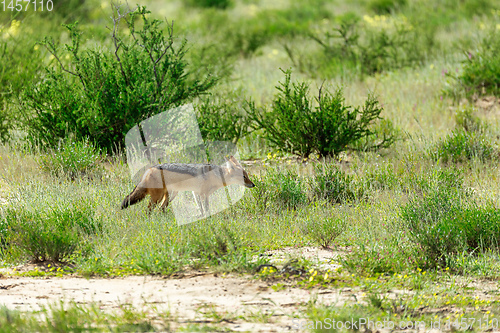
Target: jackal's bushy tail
<point>137,195</point>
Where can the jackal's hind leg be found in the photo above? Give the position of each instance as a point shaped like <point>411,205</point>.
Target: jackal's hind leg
<point>207,206</point>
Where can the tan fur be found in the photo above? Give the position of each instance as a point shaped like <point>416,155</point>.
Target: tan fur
<point>163,182</point>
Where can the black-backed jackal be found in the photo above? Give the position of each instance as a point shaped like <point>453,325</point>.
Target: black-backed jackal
<point>162,182</point>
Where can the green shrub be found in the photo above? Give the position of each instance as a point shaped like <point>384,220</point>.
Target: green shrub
<point>211,57</point>
<point>459,229</point>
<point>279,187</point>
<point>385,6</point>
<point>294,20</point>
<point>247,38</point>
<point>4,231</point>
<point>286,188</point>
<point>323,230</point>
<point>219,4</point>
<point>72,159</point>
<point>466,120</point>
<point>213,241</point>
<point>433,194</point>
<point>443,220</point>
<point>333,184</point>
<point>55,234</point>
<point>467,141</point>
<point>294,125</point>
<point>221,119</point>
<point>262,194</point>
<point>72,9</point>
<point>245,35</point>
<point>462,146</point>
<point>481,70</point>
<point>19,66</point>
<point>447,12</point>
<point>381,177</point>
<point>372,46</point>
<point>470,8</point>
<point>104,92</point>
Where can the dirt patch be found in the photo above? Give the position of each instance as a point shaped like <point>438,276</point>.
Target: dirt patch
<point>238,303</point>
<point>184,298</point>
<point>241,300</point>
<point>323,259</point>
<point>488,103</point>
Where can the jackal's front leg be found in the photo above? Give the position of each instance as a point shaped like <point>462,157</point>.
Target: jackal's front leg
<point>156,198</point>
<point>165,202</point>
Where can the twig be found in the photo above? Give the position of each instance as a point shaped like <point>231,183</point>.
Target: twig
<point>52,50</point>
<point>116,21</point>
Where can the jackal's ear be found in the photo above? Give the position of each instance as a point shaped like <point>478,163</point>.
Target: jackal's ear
<point>228,163</point>
<point>234,161</point>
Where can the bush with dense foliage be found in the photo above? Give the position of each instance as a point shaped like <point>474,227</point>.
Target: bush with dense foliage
<point>366,46</point>
<point>322,228</point>
<point>279,188</point>
<point>462,146</point>
<point>481,71</point>
<point>101,93</point>
<point>20,61</point>
<point>71,159</point>
<point>444,220</point>
<point>294,125</point>
<point>333,184</point>
<point>54,234</point>
<point>222,118</point>
<point>469,140</point>
<point>386,6</point>
<point>219,4</point>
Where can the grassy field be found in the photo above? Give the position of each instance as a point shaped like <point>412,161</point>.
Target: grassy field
<point>413,227</point>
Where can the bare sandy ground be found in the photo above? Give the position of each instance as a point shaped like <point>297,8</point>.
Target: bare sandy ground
<point>243,302</point>
<point>185,298</point>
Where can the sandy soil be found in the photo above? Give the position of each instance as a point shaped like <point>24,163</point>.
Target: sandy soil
<point>240,300</point>
<point>182,297</point>
<point>185,298</point>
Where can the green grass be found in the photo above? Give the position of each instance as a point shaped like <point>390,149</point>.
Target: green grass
<point>420,217</point>
<point>83,318</point>
<point>282,211</point>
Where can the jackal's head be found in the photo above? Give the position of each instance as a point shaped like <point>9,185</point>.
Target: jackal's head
<point>236,174</point>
